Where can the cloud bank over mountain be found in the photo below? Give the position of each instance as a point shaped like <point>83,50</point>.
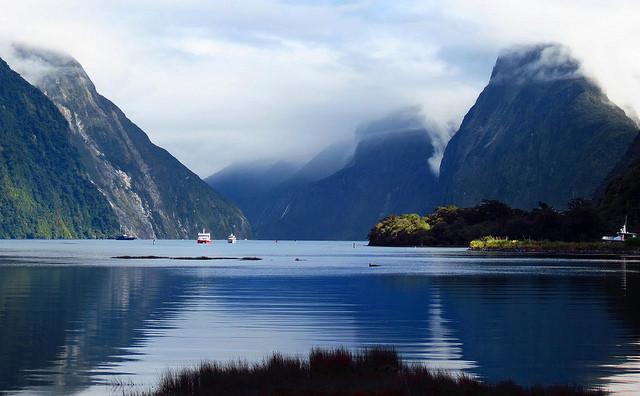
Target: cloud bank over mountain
<point>219,82</point>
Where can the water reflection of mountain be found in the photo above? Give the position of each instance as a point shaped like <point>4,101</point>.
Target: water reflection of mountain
<point>69,322</point>
<point>624,293</point>
<point>541,330</point>
<point>532,329</point>
<point>58,324</point>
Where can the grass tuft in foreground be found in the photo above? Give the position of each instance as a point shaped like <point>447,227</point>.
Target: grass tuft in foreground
<point>372,371</point>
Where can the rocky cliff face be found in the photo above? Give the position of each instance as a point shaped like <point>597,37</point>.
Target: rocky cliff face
<point>151,192</point>
<point>539,131</point>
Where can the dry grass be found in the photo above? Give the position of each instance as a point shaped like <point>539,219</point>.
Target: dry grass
<point>372,371</point>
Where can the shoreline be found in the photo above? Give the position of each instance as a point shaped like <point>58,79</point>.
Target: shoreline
<point>556,248</point>
<point>568,252</point>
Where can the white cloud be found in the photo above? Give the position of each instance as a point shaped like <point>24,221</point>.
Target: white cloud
<point>215,82</point>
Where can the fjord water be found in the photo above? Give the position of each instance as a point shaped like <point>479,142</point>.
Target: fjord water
<point>76,320</point>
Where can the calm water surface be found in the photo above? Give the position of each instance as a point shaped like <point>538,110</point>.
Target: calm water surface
<point>75,320</point>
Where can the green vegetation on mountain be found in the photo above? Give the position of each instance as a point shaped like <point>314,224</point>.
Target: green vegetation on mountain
<point>44,190</point>
<point>452,226</point>
<point>621,192</point>
<point>539,131</point>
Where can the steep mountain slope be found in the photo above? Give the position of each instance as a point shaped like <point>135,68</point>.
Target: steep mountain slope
<point>539,131</point>
<point>44,190</point>
<point>152,193</point>
<point>620,191</point>
<point>627,160</point>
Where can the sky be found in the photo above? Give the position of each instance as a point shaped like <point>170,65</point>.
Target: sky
<point>218,82</point>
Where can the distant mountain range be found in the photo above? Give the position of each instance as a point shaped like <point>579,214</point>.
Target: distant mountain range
<point>150,192</point>
<point>541,131</point>
<point>73,165</point>
<point>344,190</point>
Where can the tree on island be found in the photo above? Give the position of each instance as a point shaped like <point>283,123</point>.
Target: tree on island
<point>453,226</point>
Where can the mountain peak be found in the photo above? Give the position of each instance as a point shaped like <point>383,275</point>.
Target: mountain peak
<point>535,63</point>
<point>35,63</point>
<point>539,131</point>
<point>405,119</point>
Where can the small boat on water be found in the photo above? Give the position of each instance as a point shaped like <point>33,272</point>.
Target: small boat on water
<point>125,237</point>
<point>204,237</point>
<point>232,239</point>
<point>622,236</point>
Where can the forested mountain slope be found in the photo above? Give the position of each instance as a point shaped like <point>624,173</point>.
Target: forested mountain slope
<point>44,189</point>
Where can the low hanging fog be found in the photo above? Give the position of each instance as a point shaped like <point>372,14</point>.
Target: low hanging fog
<point>218,83</point>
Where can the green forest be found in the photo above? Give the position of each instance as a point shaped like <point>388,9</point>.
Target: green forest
<point>452,226</point>
<point>44,191</point>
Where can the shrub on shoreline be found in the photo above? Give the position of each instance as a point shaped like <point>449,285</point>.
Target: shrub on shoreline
<point>372,371</point>
<point>498,243</point>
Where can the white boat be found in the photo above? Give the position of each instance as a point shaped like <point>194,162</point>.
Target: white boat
<point>622,236</point>
<point>125,236</point>
<point>204,237</point>
<point>232,239</point>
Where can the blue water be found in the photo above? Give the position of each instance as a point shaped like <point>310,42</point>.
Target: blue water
<point>76,320</point>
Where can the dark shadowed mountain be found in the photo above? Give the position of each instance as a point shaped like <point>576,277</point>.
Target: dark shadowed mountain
<point>619,193</point>
<point>388,173</point>
<point>329,161</point>
<point>628,159</point>
<point>257,186</point>
<point>152,193</point>
<point>539,131</point>
<point>44,189</point>
<point>248,184</point>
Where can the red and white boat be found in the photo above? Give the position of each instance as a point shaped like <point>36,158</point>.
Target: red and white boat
<point>204,237</point>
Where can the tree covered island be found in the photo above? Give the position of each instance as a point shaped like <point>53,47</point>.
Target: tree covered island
<point>494,225</point>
